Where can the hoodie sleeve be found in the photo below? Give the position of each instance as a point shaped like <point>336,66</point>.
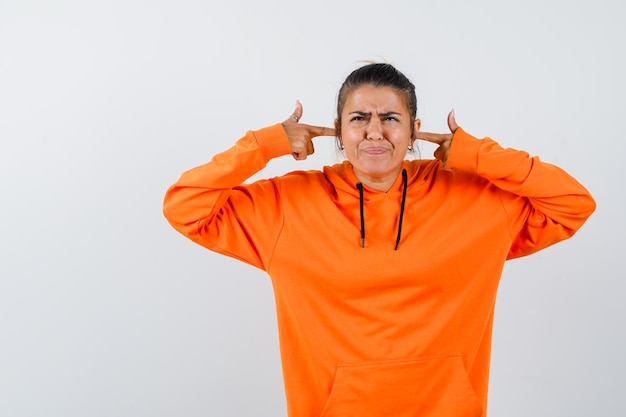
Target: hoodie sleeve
<point>210,205</point>
<point>544,204</point>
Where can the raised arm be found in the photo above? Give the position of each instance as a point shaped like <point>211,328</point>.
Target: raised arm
<point>211,205</point>
<point>544,203</point>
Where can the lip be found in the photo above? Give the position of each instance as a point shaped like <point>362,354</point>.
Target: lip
<point>375,150</point>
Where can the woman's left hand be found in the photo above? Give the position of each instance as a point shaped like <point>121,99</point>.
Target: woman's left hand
<point>444,140</point>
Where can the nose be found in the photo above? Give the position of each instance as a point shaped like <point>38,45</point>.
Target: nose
<point>374,129</point>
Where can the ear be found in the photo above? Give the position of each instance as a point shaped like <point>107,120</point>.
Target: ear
<point>417,124</point>
<point>338,135</point>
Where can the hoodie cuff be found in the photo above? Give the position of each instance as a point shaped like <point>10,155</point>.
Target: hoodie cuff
<point>272,141</point>
<point>464,151</point>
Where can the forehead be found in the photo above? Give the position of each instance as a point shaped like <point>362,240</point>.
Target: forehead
<point>375,98</point>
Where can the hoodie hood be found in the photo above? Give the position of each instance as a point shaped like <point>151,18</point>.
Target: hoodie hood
<point>343,179</point>
<point>364,205</point>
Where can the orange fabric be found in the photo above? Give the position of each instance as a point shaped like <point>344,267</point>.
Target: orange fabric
<point>374,331</point>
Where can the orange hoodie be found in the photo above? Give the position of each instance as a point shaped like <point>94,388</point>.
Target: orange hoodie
<point>367,330</point>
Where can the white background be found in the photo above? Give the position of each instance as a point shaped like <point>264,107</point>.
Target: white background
<point>106,311</point>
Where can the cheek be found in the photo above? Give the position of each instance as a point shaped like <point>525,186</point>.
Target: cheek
<point>350,137</point>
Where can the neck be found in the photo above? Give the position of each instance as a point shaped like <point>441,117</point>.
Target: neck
<point>378,183</point>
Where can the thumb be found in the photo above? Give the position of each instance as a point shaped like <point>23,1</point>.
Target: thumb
<point>452,122</point>
<point>298,110</point>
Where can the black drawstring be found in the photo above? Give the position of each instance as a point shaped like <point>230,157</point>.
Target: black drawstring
<point>360,187</point>
<point>404,186</point>
<point>402,203</point>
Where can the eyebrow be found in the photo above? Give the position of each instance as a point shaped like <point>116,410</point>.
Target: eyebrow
<point>364,113</point>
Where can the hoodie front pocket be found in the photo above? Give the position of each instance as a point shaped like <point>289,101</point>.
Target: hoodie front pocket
<point>426,387</point>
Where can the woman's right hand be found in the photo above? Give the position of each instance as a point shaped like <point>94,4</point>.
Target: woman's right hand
<point>301,135</point>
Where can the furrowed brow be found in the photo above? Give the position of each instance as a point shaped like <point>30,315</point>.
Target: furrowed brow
<point>368,114</point>
<point>390,113</point>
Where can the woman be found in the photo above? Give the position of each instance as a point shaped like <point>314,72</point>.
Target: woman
<point>384,270</point>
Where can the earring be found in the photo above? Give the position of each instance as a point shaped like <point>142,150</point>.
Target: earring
<point>410,148</point>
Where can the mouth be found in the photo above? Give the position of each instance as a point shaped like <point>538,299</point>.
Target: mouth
<point>375,150</point>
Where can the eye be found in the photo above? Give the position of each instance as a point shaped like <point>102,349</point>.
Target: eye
<point>391,118</point>
<point>357,118</point>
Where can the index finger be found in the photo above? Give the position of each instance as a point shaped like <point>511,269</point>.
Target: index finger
<point>321,131</point>
<point>437,138</point>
